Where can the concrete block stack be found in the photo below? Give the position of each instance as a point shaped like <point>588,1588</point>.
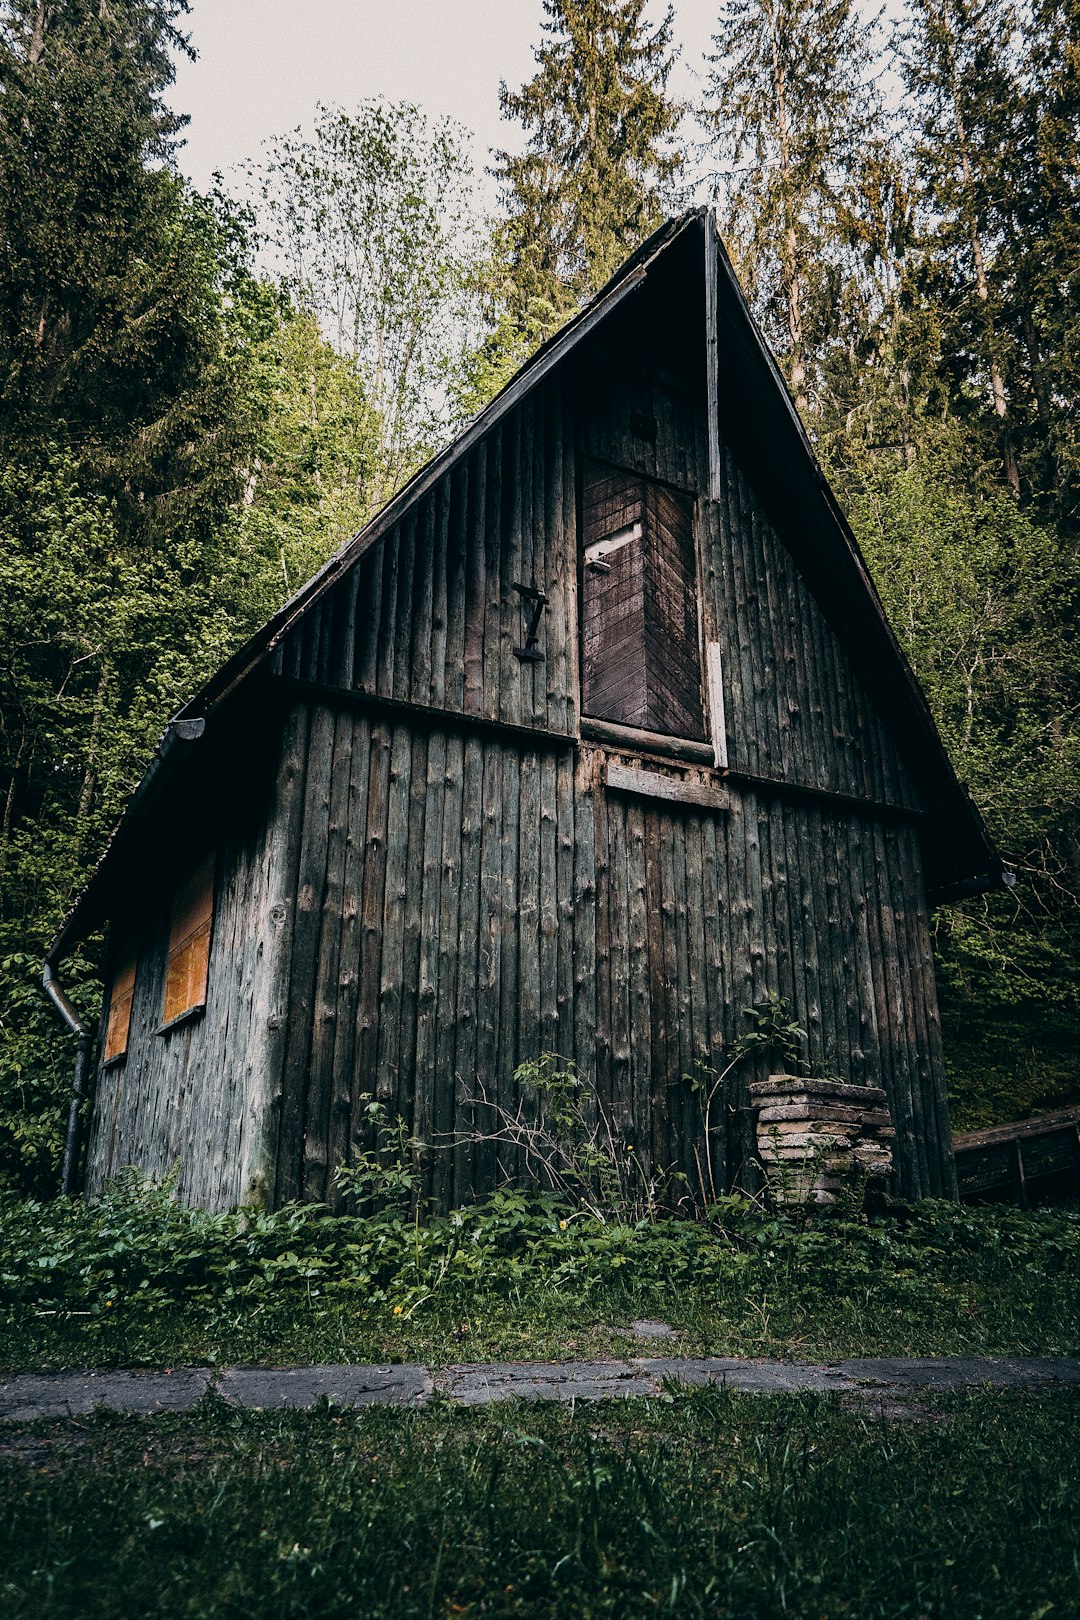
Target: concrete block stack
<point>816,1137</point>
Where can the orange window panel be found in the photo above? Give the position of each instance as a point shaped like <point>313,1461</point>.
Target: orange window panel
<point>189,943</point>
<point>121,997</point>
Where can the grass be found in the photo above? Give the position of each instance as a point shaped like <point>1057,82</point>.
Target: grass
<point>703,1504</point>
<point>708,1504</point>
<point>136,1280</point>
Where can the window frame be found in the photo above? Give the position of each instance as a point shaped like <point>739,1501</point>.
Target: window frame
<point>677,744</point>
<point>126,958</point>
<point>195,896</point>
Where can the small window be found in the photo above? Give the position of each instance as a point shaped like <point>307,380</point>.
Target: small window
<point>189,944</point>
<point>641,663</point>
<point>121,997</point>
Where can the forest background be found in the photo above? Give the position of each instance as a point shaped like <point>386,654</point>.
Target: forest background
<point>201,396</point>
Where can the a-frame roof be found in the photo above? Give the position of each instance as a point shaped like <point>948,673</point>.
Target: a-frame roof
<point>755,413</point>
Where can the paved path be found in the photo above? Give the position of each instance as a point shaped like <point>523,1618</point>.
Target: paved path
<point>26,1396</point>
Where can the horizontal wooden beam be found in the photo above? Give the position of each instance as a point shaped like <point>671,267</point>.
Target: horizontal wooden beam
<point>651,785</point>
<point>534,737</point>
<point>826,797</point>
<point>620,739</point>
<point>1065,1119</point>
<point>633,740</point>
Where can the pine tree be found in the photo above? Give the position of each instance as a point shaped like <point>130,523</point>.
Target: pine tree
<point>600,169</point>
<point>789,106</point>
<point>878,351</point>
<point>959,70</point>
<point>112,343</point>
<point>1042,246</point>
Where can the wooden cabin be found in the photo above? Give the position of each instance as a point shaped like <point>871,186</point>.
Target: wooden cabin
<point>593,739</point>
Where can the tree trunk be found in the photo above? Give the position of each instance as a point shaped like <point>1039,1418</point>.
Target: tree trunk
<point>89,781</point>
<point>792,285</point>
<point>37,37</point>
<point>9,802</point>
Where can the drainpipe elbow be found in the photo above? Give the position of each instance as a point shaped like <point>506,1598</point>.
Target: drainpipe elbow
<point>52,987</point>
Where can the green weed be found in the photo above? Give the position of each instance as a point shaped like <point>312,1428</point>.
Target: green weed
<point>707,1505</point>
<point>135,1278</point>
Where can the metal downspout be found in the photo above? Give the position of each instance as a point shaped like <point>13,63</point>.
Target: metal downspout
<point>84,1043</point>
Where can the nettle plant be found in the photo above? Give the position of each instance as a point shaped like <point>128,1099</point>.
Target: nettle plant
<point>383,1170</point>
<point>570,1143</point>
<point>566,1140</point>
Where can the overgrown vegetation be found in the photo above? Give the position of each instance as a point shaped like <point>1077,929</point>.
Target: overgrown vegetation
<point>710,1504</point>
<point>137,1279</point>
<point>200,398</point>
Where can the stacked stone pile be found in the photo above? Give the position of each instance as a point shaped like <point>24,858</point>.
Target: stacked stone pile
<point>815,1137</point>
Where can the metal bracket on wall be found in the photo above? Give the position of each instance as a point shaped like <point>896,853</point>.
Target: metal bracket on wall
<point>538,600</point>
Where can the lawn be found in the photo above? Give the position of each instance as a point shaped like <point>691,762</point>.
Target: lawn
<point>704,1504</point>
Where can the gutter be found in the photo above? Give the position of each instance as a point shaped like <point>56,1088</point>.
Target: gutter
<point>965,888</point>
<point>176,732</point>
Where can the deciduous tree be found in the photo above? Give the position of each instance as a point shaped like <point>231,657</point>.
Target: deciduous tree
<point>368,225</point>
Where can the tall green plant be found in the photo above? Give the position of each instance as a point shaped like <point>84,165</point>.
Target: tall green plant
<point>181,449</point>
<point>789,108</point>
<point>979,593</point>
<point>112,341</point>
<point>958,65</point>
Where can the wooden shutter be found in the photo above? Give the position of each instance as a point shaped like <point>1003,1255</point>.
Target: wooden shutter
<point>641,662</point>
<point>612,599</point>
<point>121,998</point>
<point>672,653</point>
<point>189,943</point>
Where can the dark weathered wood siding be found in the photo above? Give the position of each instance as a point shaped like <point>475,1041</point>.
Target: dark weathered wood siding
<point>199,1095</point>
<point>447,886</point>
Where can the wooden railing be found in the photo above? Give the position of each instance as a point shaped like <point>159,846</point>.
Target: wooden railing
<point>1005,1160</point>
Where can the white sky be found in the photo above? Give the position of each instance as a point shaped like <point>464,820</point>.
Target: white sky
<point>263,65</point>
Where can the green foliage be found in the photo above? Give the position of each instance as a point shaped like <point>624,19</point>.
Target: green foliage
<point>135,1277</point>
<point>993,94</point>
<point>791,113</point>
<point>978,592</point>
<point>706,1504</point>
<point>599,172</point>
<point>368,226</point>
<point>101,641</point>
<point>571,1143</point>
<point>772,1033</point>
<point>112,338</point>
<point>314,469</point>
<point>125,423</point>
<point>385,1175</point>
<point>186,443</point>
<point>183,450</point>
<point>918,277</point>
<point>1044,237</point>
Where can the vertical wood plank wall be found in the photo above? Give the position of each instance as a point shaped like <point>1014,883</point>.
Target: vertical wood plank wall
<point>435,903</point>
<point>195,1095</point>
